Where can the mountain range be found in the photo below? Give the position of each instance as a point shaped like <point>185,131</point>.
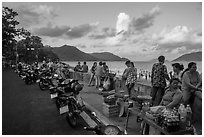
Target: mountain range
<point>71,53</point>
<point>108,56</point>
<point>194,56</point>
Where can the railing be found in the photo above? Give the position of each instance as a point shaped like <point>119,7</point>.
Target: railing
<point>142,86</point>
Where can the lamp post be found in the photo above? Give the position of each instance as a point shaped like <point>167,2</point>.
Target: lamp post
<point>30,49</point>
<point>16,54</point>
<point>37,55</point>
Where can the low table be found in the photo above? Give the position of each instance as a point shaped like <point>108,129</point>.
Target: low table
<point>151,123</point>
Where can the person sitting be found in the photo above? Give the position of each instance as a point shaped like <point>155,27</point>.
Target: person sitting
<point>173,95</point>
<point>191,82</point>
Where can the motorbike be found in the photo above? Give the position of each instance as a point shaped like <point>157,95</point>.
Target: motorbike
<point>22,72</point>
<point>101,129</point>
<point>30,77</point>
<point>45,80</point>
<point>58,88</point>
<point>69,102</point>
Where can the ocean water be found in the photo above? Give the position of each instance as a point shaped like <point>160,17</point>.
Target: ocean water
<point>119,66</point>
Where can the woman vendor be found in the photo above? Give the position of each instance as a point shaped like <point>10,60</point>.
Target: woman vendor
<point>173,95</point>
<point>172,98</point>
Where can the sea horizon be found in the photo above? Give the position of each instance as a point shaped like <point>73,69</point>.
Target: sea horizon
<point>119,66</point>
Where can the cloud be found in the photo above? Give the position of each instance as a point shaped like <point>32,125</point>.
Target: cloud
<point>98,45</point>
<point>144,21</point>
<point>126,28</point>
<point>178,50</point>
<point>80,31</point>
<point>104,33</point>
<point>51,31</point>
<point>65,31</point>
<point>121,32</point>
<point>111,41</point>
<point>81,46</point>
<point>179,38</point>
<point>34,14</point>
<point>122,22</point>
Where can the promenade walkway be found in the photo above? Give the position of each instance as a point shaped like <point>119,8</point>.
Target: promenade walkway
<point>94,101</point>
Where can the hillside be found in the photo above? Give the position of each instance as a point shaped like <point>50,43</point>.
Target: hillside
<point>195,56</point>
<point>108,56</point>
<point>70,53</point>
<point>48,53</point>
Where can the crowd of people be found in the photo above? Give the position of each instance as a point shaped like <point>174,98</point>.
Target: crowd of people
<point>182,84</point>
<point>99,72</point>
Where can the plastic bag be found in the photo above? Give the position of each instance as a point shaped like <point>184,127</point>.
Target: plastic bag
<point>106,84</point>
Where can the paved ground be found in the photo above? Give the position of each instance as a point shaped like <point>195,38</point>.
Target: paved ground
<point>26,110</point>
<point>92,96</point>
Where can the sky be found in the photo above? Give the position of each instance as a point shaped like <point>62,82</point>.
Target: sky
<point>139,31</point>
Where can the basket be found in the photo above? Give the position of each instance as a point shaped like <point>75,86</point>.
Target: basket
<point>110,101</point>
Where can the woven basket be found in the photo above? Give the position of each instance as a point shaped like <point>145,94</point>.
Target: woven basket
<point>111,101</point>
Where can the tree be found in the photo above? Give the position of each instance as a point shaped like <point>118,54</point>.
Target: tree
<point>46,53</point>
<point>28,48</point>
<point>9,32</point>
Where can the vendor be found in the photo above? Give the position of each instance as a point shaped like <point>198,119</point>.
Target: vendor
<point>173,95</point>
<point>191,82</point>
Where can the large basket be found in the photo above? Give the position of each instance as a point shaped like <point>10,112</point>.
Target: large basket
<point>111,101</point>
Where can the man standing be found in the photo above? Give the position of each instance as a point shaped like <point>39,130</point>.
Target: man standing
<point>105,68</point>
<point>99,74</point>
<point>105,72</point>
<point>85,68</point>
<point>93,70</point>
<point>158,80</point>
<point>78,67</point>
